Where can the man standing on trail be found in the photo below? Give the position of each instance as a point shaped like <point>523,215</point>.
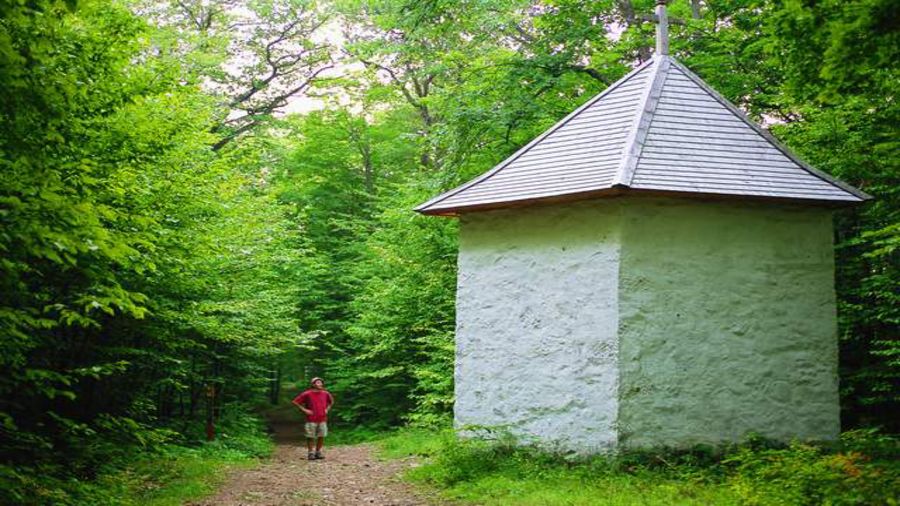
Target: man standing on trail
<point>315,403</point>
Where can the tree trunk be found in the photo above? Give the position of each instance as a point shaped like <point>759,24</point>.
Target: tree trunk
<point>368,170</point>
<point>275,385</point>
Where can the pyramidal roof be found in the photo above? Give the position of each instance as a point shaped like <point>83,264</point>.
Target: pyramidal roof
<point>658,129</point>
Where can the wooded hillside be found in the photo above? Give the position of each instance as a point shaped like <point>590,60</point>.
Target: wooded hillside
<point>172,242</point>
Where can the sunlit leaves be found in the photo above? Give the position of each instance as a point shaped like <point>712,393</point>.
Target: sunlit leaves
<point>137,265</point>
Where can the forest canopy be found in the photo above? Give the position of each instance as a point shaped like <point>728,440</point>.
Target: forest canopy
<point>175,238</point>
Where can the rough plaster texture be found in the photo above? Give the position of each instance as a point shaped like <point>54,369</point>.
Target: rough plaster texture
<point>537,323</point>
<point>638,322</point>
<point>727,323</point>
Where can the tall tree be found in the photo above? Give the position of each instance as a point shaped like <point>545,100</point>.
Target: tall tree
<point>139,268</point>
<point>255,57</point>
<point>840,63</point>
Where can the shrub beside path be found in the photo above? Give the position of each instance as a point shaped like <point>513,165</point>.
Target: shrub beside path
<point>349,475</point>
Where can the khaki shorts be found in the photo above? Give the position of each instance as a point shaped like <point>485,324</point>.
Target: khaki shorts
<point>314,430</point>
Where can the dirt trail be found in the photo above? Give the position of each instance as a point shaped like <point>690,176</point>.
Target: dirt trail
<point>349,475</point>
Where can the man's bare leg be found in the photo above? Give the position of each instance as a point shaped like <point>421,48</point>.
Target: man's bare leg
<point>319,444</point>
<point>310,447</point>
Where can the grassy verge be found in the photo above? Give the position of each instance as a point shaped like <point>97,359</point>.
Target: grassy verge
<point>174,475</point>
<point>168,474</point>
<point>862,469</point>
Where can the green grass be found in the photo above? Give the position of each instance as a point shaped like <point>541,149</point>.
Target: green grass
<point>413,441</point>
<point>168,475</point>
<point>565,488</point>
<point>173,476</point>
<point>863,469</point>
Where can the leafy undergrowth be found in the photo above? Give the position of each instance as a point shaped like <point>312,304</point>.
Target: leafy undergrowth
<point>167,474</point>
<point>862,469</point>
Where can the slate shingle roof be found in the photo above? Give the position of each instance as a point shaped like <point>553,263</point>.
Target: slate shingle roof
<point>660,128</point>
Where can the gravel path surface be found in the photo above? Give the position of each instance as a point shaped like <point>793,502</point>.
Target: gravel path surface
<point>349,475</point>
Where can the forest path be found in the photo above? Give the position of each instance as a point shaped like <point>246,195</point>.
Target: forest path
<point>349,475</point>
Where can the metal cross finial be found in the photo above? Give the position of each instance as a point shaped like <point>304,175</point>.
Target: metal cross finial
<point>662,28</point>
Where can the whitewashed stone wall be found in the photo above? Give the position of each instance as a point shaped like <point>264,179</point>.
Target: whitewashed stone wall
<point>727,323</point>
<point>537,322</point>
<point>637,322</point>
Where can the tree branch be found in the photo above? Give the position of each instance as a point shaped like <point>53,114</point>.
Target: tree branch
<point>233,135</point>
<point>396,80</point>
<point>591,72</point>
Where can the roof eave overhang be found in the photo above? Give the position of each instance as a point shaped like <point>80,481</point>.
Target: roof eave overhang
<point>514,204</point>
<point>621,191</point>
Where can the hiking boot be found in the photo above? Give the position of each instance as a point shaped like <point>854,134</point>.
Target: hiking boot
<point>319,456</point>
<point>311,456</point>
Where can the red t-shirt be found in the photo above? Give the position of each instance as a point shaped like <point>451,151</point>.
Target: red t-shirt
<point>317,401</point>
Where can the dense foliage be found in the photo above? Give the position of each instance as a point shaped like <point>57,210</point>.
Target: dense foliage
<point>170,245</point>
<point>146,281</point>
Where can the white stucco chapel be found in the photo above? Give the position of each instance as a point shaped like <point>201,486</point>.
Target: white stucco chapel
<point>653,270</point>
